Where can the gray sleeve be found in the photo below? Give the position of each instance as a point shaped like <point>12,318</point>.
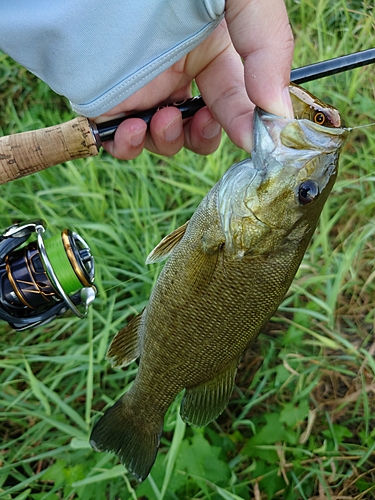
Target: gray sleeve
<point>99,52</point>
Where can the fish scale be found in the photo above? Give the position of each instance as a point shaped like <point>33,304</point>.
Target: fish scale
<point>227,271</point>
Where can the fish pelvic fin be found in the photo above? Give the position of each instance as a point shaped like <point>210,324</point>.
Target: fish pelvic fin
<point>122,431</point>
<point>164,248</point>
<point>205,402</point>
<point>125,347</point>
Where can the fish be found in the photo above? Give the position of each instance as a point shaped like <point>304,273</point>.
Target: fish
<point>228,269</point>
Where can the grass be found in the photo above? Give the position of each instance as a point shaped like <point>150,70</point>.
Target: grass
<point>300,424</point>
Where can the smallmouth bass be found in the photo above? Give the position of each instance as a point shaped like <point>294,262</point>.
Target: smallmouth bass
<point>228,269</point>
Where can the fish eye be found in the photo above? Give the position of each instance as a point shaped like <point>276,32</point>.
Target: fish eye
<point>307,192</point>
<point>319,118</point>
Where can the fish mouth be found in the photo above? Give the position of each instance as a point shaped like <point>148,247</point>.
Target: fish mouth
<point>292,141</point>
<point>306,105</point>
<point>315,129</point>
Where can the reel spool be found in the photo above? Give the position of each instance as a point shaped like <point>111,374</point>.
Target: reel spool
<point>44,279</point>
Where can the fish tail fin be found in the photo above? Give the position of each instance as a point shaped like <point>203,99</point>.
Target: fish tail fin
<point>121,430</point>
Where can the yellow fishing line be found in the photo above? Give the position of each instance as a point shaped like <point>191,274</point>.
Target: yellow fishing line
<point>360,126</point>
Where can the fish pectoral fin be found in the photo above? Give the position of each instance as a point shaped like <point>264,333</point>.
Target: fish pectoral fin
<point>164,248</point>
<point>125,347</point>
<point>205,402</point>
<point>202,265</point>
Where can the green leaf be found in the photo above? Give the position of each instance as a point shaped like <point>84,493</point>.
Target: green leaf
<point>201,460</point>
<point>55,473</point>
<point>282,375</point>
<point>292,414</point>
<point>271,481</point>
<point>340,432</point>
<point>271,433</point>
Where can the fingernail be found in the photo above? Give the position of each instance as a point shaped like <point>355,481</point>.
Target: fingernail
<point>211,129</point>
<point>247,144</point>
<point>173,130</point>
<point>288,108</point>
<point>137,138</point>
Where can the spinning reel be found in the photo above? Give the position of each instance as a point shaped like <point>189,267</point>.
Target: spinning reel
<point>45,278</point>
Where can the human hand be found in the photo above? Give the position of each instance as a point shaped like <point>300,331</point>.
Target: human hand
<point>257,31</point>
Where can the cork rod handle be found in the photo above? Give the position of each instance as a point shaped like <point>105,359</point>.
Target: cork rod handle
<point>29,152</point>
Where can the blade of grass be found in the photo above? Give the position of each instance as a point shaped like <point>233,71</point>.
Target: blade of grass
<point>172,456</point>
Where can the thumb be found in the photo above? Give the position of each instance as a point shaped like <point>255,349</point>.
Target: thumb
<point>261,34</point>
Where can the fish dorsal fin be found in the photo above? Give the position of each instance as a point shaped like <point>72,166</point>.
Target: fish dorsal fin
<point>125,347</point>
<point>205,402</point>
<point>164,248</point>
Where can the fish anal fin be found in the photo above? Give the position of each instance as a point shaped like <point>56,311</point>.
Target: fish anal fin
<point>205,402</point>
<point>164,248</point>
<point>125,346</point>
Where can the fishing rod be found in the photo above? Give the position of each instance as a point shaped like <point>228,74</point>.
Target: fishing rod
<point>29,152</point>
